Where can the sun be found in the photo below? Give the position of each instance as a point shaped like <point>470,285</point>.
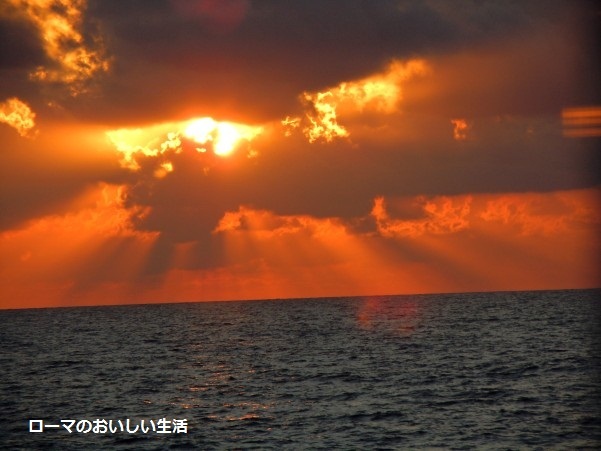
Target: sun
<point>224,136</point>
<point>227,138</point>
<point>221,138</point>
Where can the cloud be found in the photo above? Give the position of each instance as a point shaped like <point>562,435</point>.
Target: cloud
<point>72,61</point>
<point>19,44</point>
<point>17,114</point>
<point>167,62</point>
<point>96,226</point>
<point>460,129</point>
<point>111,245</point>
<point>378,93</point>
<point>528,74</point>
<point>544,214</point>
<point>341,179</point>
<point>443,215</point>
<point>431,243</point>
<point>265,224</point>
<point>254,69</point>
<point>517,215</point>
<point>42,176</point>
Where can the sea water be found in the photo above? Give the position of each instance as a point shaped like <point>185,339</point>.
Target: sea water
<point>506,370</point>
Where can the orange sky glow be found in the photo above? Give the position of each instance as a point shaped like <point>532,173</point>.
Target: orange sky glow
<point>245,168</point>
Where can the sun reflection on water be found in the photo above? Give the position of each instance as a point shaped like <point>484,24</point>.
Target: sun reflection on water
<point>398,316</point>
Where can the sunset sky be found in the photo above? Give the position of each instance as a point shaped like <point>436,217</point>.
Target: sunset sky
<point>190,150</point>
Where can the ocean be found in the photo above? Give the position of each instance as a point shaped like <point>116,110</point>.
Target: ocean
<point>503,370</point>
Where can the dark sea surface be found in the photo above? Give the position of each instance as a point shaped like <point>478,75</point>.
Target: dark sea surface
<point>510,370</point>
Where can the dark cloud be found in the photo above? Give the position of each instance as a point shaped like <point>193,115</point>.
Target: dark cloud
<point>42,176</point>
<point>19,45</point>
<point>20,52</point>
<point>169,63</point>
<point>250,60</point>
<point>341,179</point>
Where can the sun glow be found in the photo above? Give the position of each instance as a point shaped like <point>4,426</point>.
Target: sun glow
<point>225,136</point>
<point>161,140</point>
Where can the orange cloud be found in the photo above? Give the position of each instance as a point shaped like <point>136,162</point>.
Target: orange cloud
<point>290,124</point>
<point>503,241</point>
<point>59,24</point>
<point>543,213</point>
<point>268,224</point>
<point>523,214</point>
<point>300,255</point>
<point>379,93</point>
<point>421,244</point>
<point>18,115</point>
<point>62,253</point>
<point>473,242</point>
<point>460,129</point>
<point>441,215</point>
